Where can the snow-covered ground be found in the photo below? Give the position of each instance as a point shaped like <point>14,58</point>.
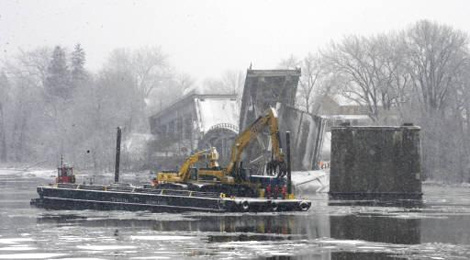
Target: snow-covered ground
<point>28,173</point>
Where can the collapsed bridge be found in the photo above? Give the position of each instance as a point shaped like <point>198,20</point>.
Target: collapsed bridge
<point>198,121</point>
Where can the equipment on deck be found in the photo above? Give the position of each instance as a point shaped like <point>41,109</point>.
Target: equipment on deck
<point>184,174</point>
<point>211,189</point>
<point>233,179</point>
<point>277,164</point>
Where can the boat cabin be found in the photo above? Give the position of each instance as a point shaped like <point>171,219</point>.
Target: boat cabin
<point>65,174</point>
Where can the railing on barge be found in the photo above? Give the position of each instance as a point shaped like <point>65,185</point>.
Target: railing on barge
<point>131,189</point>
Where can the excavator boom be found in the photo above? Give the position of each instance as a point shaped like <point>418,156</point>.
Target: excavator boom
<point>247,136</point>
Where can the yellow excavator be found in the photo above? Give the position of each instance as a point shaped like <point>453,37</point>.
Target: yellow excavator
<point>184,174</point>
<point>234,176</point>
<point>277,164</point>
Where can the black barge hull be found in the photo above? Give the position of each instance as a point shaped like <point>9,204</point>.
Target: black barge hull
<point>78,197</point>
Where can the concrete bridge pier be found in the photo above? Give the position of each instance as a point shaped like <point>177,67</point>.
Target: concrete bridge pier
<point>375,163</point>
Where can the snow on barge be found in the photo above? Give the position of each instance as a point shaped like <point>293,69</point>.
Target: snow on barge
<point>212,189</point>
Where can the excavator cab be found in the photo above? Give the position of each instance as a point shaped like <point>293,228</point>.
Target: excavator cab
<point>193,174</point>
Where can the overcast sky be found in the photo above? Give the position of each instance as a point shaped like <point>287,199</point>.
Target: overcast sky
<point>205,38</point>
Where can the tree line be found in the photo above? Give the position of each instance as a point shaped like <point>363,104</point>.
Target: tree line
<point>52,106</point>
<point>421,73</point>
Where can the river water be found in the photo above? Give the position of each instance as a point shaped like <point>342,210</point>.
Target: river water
<point>438,230</point>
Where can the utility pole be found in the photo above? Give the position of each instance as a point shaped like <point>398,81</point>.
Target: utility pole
<point>118,155</point>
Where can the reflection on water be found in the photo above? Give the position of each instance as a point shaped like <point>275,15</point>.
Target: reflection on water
<point>439,230</point>
<point>373,228</point>
<point>362,256</point>
<point>376,229</point>
<point>237,227</point>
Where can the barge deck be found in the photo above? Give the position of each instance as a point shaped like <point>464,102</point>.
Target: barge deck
<point>101,197</point>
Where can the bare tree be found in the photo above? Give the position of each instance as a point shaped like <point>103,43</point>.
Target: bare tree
<point>436,56</point>
<point>233,81</point>
<point>146,69</point>
<point>370,72</point>
<point>457,146</point>
<point>4,99</point>
<point>395,82</point>
<point>34,63</point>
<point>27,118</point>
<point>309,81</point>
<point>150,66</point>
<point>291,62</point>
<point>213,86</point>
<point>435,53</point>
<point>184,81</point>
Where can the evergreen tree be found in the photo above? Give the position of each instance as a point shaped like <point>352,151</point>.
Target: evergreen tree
<point>57,81</point>
<point>78,62</point>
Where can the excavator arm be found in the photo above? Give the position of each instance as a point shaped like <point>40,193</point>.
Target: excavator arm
<point>247,136</point>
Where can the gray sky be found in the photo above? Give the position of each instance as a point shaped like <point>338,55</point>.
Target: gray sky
<point>205,38</point>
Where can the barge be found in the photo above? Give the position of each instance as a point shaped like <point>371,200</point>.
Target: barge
<point>177,191</point>
<point>130,198</point>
